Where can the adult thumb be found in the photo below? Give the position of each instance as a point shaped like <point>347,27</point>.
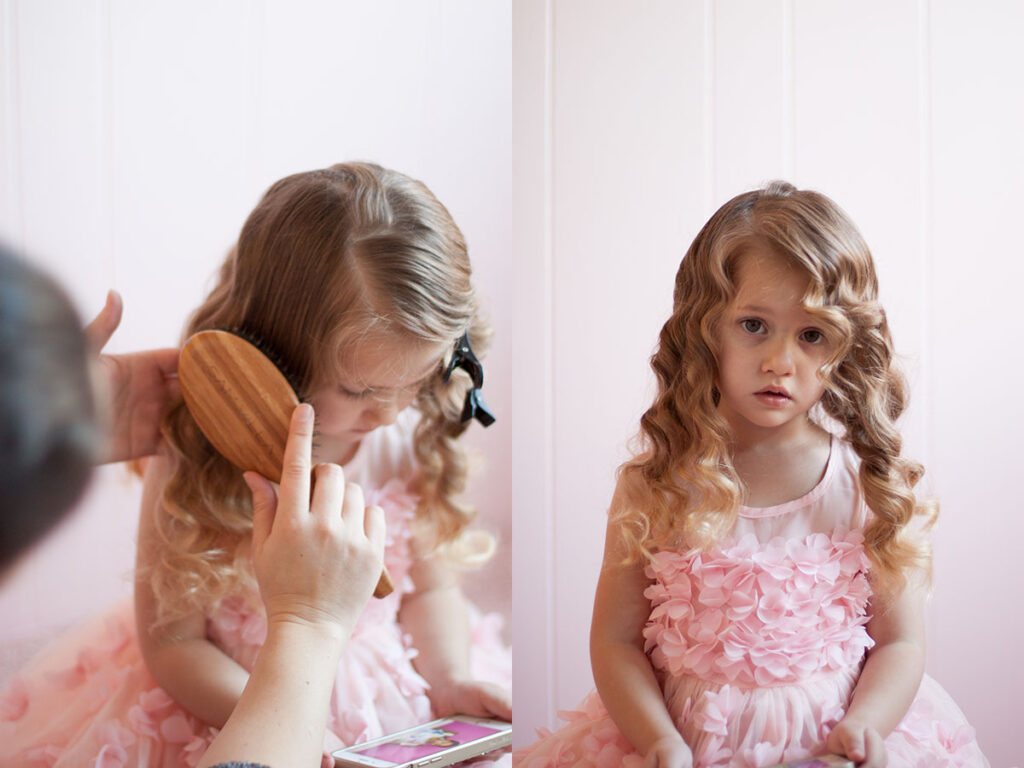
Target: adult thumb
<point>264,507</point>
<point>102,327</point>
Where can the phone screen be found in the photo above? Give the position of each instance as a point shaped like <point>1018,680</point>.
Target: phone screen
<point>426,741</point>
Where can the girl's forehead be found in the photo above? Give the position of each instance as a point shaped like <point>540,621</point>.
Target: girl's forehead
<point>387,362</point>
<point>762,274</point>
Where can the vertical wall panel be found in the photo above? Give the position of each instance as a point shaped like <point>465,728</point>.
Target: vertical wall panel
<point>179,78</point>
<point>857,124</point>
<point>857,138</point>
<point>751,95</point>
<point>531,466</point>
<point>628,128</point>
<point>59,133</point>
<point>978,414</point>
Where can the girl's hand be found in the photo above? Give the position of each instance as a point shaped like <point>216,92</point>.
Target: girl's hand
<point>669,752</point>
<point>317,558</point>
<point>470,697</point>
<point>858,742</point>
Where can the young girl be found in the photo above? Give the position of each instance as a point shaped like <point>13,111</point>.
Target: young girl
<point>761,597</point>
<point>357,278</point>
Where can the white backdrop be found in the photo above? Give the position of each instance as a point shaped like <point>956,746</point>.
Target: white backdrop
<point>580,144</point>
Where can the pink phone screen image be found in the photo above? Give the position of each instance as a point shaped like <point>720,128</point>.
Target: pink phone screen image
<point>427,741</point>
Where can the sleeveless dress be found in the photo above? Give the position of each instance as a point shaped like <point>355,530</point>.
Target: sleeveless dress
<point>88,700</point>
<point>758,643</point>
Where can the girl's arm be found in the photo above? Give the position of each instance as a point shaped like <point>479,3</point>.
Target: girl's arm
<point>889,680</point>
<point>197,674</point>
<point>436,616</point>
<point>622,671</point>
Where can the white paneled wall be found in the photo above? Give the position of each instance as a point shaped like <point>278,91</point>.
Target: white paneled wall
<point>909,113</point>
<point>580,144</point>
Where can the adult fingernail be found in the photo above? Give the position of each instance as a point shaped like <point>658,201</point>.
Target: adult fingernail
<point>304,413</point>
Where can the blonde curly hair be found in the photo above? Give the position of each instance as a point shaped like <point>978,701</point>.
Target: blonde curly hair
<point>681,487</point>
<point>325,258</point>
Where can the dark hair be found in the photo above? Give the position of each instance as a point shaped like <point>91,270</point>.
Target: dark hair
<point>48,429</point>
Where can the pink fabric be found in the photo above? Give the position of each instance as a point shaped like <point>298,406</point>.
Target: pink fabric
<point>758,644</point>
<point>89,700</point>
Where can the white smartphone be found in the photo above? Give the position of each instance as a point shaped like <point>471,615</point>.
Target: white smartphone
<point>825,761</point>
<point>437,743</point>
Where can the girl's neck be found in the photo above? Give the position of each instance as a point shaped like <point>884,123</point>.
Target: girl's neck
<point>782,465</point>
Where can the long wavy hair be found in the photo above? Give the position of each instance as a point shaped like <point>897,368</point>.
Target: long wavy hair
<point>681,488</point>
<point>324,259</point>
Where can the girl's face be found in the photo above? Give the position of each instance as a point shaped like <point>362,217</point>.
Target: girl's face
<point>382,379</point>
<point>770,350</point>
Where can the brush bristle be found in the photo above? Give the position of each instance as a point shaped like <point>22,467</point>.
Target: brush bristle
<point>271,354</point>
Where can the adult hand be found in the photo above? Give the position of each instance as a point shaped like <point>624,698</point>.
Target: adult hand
<point>669,752</point>
<point>140,386</point>
<point>858,742</point>
<point>317,558</point>
<point>470,697</point>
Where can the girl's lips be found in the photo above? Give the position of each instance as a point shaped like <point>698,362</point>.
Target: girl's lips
<point>772,397</point>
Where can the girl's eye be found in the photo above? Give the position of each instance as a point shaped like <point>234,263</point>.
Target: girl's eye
<point>353,395</point>
<point>812,336</point>
<point>752,325</point>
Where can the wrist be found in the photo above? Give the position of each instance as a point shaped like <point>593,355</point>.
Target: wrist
<point>323,635</point>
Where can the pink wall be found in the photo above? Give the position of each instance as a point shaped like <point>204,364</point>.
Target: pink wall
<point>133,142</point>
<point>651,116</point>
<point>580,144</point>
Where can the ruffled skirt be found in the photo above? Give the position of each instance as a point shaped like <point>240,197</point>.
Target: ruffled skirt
<point>88,700</point>
<point>728,726</point>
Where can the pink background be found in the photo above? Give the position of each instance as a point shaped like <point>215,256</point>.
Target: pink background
<point>580,144</point>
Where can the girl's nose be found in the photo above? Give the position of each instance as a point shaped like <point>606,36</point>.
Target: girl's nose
<point>778,358</point>
<point>385,412</point>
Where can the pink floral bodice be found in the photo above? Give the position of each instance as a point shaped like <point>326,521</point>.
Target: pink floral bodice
<point>783,600</point>
<point>757,615</point>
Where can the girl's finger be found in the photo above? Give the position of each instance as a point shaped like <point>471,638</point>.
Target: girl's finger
<point>264,504</point>
<point>498,702</point>
<point>855,747</point>
<point>295,474</point>
<point>874,749</point>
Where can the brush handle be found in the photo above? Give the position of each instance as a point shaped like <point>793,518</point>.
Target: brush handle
<point>243,405</point>
<point>385,586</point>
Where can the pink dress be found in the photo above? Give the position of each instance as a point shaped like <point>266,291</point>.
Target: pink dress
<point>88,700</point>
<point>759,642</point>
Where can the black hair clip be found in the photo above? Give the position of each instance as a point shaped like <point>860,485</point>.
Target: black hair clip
<point>475,407</point>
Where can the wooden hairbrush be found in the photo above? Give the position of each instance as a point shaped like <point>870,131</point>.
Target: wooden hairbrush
<point>243,404</point>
